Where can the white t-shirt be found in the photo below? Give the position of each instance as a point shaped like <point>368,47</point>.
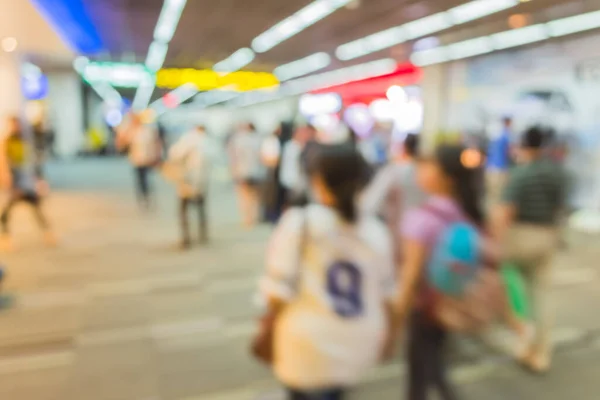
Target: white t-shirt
<point>196,152</point>
<point>291,175</point>
<point>143,146</point>
<point>393,177</point>
<point>335,278</point>
<point>246,156</point>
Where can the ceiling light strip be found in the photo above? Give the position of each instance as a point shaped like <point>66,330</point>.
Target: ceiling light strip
<point>422,27</point>
<point>507,39</point>
<point>157,52</point>
<point>319,81</point>
<point>296,23</point>
<point>236,61</point>
<point>303,66</point>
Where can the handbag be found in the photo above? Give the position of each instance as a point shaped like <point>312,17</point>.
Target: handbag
<point>262,346</point>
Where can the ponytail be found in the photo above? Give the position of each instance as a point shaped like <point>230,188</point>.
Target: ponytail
<point>342,169</point>
<point>467,192</point>
<point>345,201</point>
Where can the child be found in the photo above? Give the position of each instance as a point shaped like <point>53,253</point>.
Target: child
<point>329,283</point>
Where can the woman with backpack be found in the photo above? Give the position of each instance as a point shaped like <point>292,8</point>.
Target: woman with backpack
<point>451,182</point>
<point>328,285</point>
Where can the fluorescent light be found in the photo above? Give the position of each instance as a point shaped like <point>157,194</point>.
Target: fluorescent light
<point>470,48</point>
<point>156,55</point>
<point>372,43</point>
<point>143,96</point>
<point>428,25</point>
<point>181,94</point>
<point>429,57</point>
<point>168,20</point>
<point>479,9</point>
<point>519,37</point>
<point>319,81</point>
<point>578,23</point>
<point>507,39</point>
<point>236,61</point>
<point>107,93</point>
<point>422,27</point>
<point>302,66</point>
<point>343,75</point>
<point>295,23</point>
<point>80,63</point>
<point>351,50</point>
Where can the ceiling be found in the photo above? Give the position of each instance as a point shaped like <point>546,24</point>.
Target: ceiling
<point>210,30</point>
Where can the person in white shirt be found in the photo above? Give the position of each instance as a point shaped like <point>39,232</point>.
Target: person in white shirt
<point>329,282</point>
<point>294,162</point>
<point>142,143</point>
<point>248,171</point>
<point>193,153</point>
<point>395,190</point>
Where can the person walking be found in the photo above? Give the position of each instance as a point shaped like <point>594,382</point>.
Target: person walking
<point>527,224</point>
<point>395,190</point>
<point>274,192</point>
<point>18,176</point>
<point>193,154</point>
<point>248,171</point>
<point>499,161</point>
<point>451,185</point>
<point>296,157</point>
<point>329,284</point>
<point>142,143</point>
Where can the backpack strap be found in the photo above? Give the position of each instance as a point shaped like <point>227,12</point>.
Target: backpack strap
<point>441,215</point>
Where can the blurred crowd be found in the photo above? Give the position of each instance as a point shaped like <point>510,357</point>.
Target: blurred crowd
<point>375,239</point>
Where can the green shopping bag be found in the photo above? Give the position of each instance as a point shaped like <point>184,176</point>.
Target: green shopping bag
<point>515,287</point>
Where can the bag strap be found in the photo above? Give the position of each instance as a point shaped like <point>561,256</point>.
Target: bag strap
<point>441,214</point>
<point>302,246</point>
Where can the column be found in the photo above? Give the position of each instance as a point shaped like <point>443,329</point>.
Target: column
<point>434,89</point>
<point>10,86</point>
<point>65,99</point>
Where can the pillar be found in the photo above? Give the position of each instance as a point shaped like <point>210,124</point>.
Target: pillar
<point>10,87</point>
<point>434,88</point>
<point>65,99</point>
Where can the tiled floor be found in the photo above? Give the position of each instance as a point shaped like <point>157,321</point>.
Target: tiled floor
<point>116,313</point>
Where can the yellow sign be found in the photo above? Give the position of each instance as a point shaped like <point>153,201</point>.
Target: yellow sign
<point>206,79</point>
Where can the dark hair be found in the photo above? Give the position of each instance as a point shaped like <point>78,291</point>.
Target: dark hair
<point>534,137</point>
<point>467,190</point>
<point>252,126</point>
<point>411,144</point>
<point>342,168</point>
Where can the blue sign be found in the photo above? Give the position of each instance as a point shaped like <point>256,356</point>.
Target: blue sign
<point>34,86</point>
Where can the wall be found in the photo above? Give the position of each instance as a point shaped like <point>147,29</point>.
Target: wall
<point>555,84</point>
<point>21,20</point>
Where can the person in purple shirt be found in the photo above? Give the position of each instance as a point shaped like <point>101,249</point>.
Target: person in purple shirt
<point>452,185</point>
<point>499,160</point>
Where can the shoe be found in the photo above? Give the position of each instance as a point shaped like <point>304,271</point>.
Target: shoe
<point>524,349</point>
<point>540,363</point>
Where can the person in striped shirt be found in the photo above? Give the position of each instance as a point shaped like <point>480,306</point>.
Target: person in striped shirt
<point>527,223</point>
